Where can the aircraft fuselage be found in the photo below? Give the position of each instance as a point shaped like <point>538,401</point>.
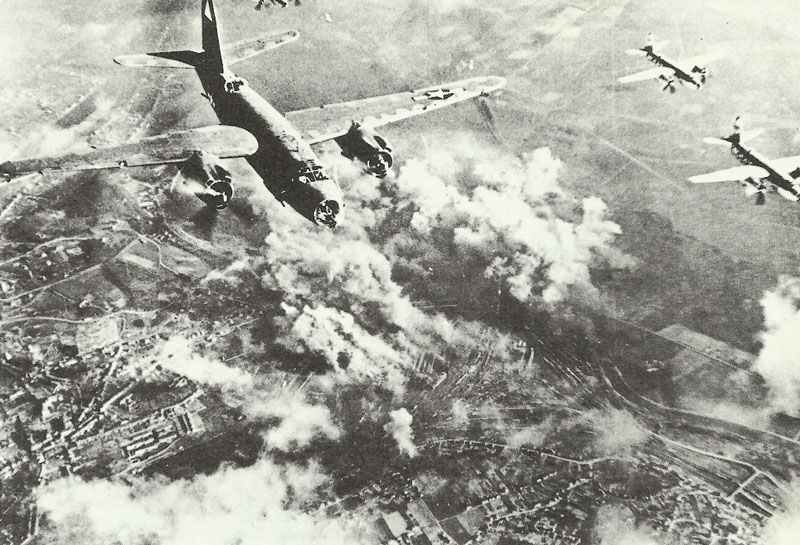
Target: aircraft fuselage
<point>287,165</point>
<point>658,60</point>
<point>748,156</point>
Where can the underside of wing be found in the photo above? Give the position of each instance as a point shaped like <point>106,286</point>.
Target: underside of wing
<point>789,165</point>
<point>176,147</point>
<point>334,120</point>
<point>244,49</point>
<point>735,174</point>
<point>644,75</point>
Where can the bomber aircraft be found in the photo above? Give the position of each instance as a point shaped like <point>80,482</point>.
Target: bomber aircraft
<point>758,174</point>
<point>278,146</point>
<point>687,71</point>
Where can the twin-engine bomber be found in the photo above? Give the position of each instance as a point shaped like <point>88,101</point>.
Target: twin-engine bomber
<point>278,146</point>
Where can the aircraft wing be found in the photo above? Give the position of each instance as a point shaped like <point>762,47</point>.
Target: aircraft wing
<point>700,60</point>
<point>189,59</point>
<point>644,75</point>
<point>787,164</point>
<point>332,120</point>
<point>244,49</point>
<point>735,174</point>
<point>221,140</point>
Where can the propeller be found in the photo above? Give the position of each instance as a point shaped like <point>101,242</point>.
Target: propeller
<point>650,44</point>
<point>702,72</point>
<point>759,189</point>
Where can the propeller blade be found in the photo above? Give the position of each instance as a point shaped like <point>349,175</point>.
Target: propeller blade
<point>761,198</point>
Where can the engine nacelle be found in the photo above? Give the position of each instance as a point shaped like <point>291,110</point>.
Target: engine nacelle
<point>368,147</point>
<point>217,183</point>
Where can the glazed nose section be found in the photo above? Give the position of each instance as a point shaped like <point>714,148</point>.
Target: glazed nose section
<point>327,213</point>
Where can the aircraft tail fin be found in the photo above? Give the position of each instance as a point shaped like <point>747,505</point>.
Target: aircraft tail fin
<point>210,56</point>
<point>736,136</point>
<point>212,43</point>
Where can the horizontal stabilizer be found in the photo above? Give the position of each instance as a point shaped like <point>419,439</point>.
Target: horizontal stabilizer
<point>161,59</point>
<point>656,46</point>
<point>245,49</point>
<point>221,140</point>
<point>714,141</point>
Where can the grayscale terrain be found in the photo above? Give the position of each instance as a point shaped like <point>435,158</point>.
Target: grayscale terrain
<point>534,331</point>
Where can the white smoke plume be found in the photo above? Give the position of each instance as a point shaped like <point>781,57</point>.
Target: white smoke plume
<point>462,206</point>
<point>345,344</point>
<point>616,525</point>
<point>47,139</point>
<point>511,212</point>
<point>531,436</point>
<point>779,359</point>
<point>178,356</point>
<point>260,504</point>
<point>299,422</point>
<point>616,430</point>
<point>730,411</point>
<point>460,413</point>
<point>491,416</point>
<point>784,526</point>
<point>230,274</point>
<point>399,426</point>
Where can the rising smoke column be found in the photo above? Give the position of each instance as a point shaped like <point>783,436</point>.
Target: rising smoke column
<point>779,359</point>
<point>506,214</point>
<point>399,427</point>
<point>299,422</point>
<point>458,217</point>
